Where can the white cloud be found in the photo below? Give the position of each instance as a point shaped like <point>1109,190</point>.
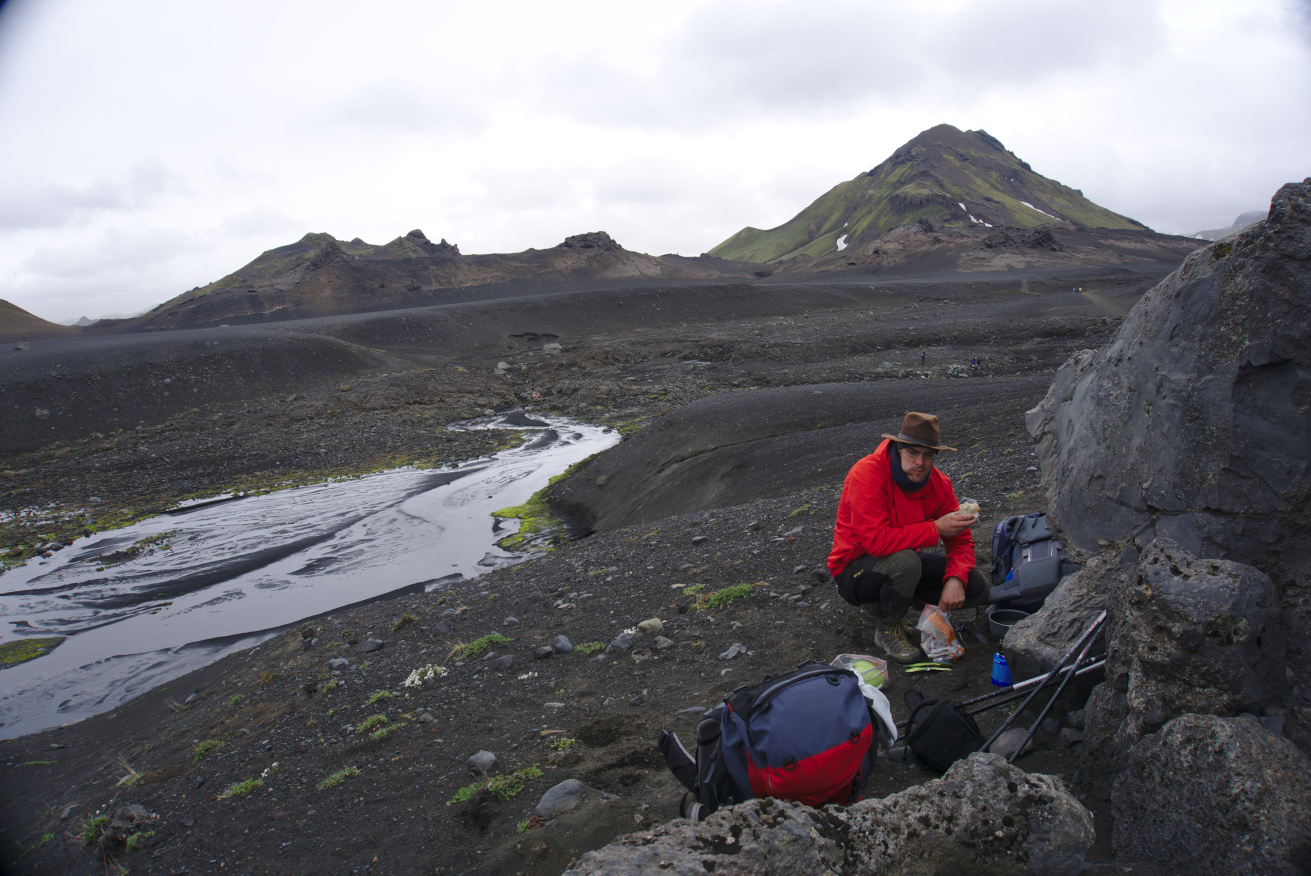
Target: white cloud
<point>153,146</point>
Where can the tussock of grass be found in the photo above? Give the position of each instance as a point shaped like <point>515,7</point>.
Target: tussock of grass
<point>723,596</point>
<point>405,620</point>
<point>337,778</point>
<point>507,787</point>
<point>380,695</point>
<point>203,749</point>
<point>241,789</point>
<point>92,829</point>
<point>464,651</point>
<point>370,722</point>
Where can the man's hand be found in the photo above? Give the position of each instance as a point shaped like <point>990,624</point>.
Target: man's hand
<point>954,523</point>
<point>953,594</point>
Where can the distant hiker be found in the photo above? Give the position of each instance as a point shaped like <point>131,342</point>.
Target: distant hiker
<point>974,364</point>
<point>895,504</point>
<point>921,357</point>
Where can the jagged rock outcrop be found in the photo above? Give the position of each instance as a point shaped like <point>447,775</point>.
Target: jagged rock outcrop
<point>1215,795</point>
<point>1185,635</point>
<point>591,240</point>
<point>984,816</point>
<point>1194,421</point>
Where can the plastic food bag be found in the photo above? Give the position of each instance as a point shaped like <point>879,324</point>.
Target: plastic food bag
<point>872,670</point>
<point>937,637</point>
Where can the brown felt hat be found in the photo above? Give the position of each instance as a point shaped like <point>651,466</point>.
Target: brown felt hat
<point>921,429</point>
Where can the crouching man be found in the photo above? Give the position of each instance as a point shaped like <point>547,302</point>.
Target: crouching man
<point>894,505</point>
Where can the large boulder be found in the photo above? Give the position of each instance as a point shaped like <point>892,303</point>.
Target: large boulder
<point>1194,421</point>
<point>1214,795</point>
<point>1185,635</point>
<point>984,816</point>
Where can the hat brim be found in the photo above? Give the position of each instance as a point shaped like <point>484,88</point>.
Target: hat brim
<point>902,439</point>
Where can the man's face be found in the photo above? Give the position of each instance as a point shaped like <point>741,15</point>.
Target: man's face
<point>917,462</point>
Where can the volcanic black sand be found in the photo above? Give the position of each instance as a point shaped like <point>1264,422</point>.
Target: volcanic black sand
<point>758,398</point>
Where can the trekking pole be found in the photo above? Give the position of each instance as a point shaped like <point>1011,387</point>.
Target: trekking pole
<point>1078,645</point>
<point>1043,714</point>
<point>1015,695</point>
<point>1014,688</point>
<point>1013,692</point>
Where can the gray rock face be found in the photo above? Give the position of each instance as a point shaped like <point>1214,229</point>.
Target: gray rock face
<point>1036,644</point>
<point>1214,795</point>
<point>1192,422</point>
<point>984,816</point>
<point>1185,635</point>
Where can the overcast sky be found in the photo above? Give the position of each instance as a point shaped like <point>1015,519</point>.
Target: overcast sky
<point>149,147</point>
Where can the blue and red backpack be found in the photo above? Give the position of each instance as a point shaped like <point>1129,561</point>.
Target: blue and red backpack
<point>808,736</point>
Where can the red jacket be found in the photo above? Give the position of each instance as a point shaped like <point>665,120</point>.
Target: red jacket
<point>876,517</point>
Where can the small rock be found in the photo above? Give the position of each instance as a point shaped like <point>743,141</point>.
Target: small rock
<point>1010,740</point>
<point>543,652</point>
<point>510,622</point>
<point>1274,724</point>
<point>754,526</point>
<point>622,643</point>
<point>553,705</point>
<point>482,763</point>
<point>735,625</point>
<point>1075,719</point>
<point>563,798</point>
<point>651,625</point>
<point>700,539</point>
<point>640,654</point>
<point>802,604</point>
<point>444,626</point>
<point>562,645</point>
<point>306,644</point>
<point>1051,726</point>
<point>503,663</point>
<point>692,712</point>
<point>794,531</point>
<point>733,650</point>
<point>339,663</point>
<point>426,718</point>
<point>639,699</point>
<point>371,645</point>
<point>449,612</point>
<point>662,644</point>
<point>797,570</point>
<point>1070,736</point>
<point>195,697</point>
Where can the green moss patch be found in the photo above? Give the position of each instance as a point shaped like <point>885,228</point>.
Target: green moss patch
<point>23,650</point>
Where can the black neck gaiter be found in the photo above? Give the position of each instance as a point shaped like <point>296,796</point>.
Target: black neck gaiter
<point>899,476</point>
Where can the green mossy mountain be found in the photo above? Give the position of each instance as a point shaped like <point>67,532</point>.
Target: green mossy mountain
<point>949,177</point>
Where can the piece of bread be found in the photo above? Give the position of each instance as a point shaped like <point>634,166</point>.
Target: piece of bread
<point>970,508</point>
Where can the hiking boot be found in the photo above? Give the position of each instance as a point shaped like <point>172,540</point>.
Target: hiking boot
<point>891,636</point>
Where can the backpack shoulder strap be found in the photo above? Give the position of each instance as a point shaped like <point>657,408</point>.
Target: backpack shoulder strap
<point>680,763</point>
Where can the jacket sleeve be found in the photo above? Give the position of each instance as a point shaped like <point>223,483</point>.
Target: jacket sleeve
<point>872,527</point>
<point>959,548</point>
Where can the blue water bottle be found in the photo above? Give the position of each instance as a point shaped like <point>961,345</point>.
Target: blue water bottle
<point>1001,672</point>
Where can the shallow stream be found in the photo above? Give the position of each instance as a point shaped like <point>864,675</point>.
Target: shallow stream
<point>147,603</point>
